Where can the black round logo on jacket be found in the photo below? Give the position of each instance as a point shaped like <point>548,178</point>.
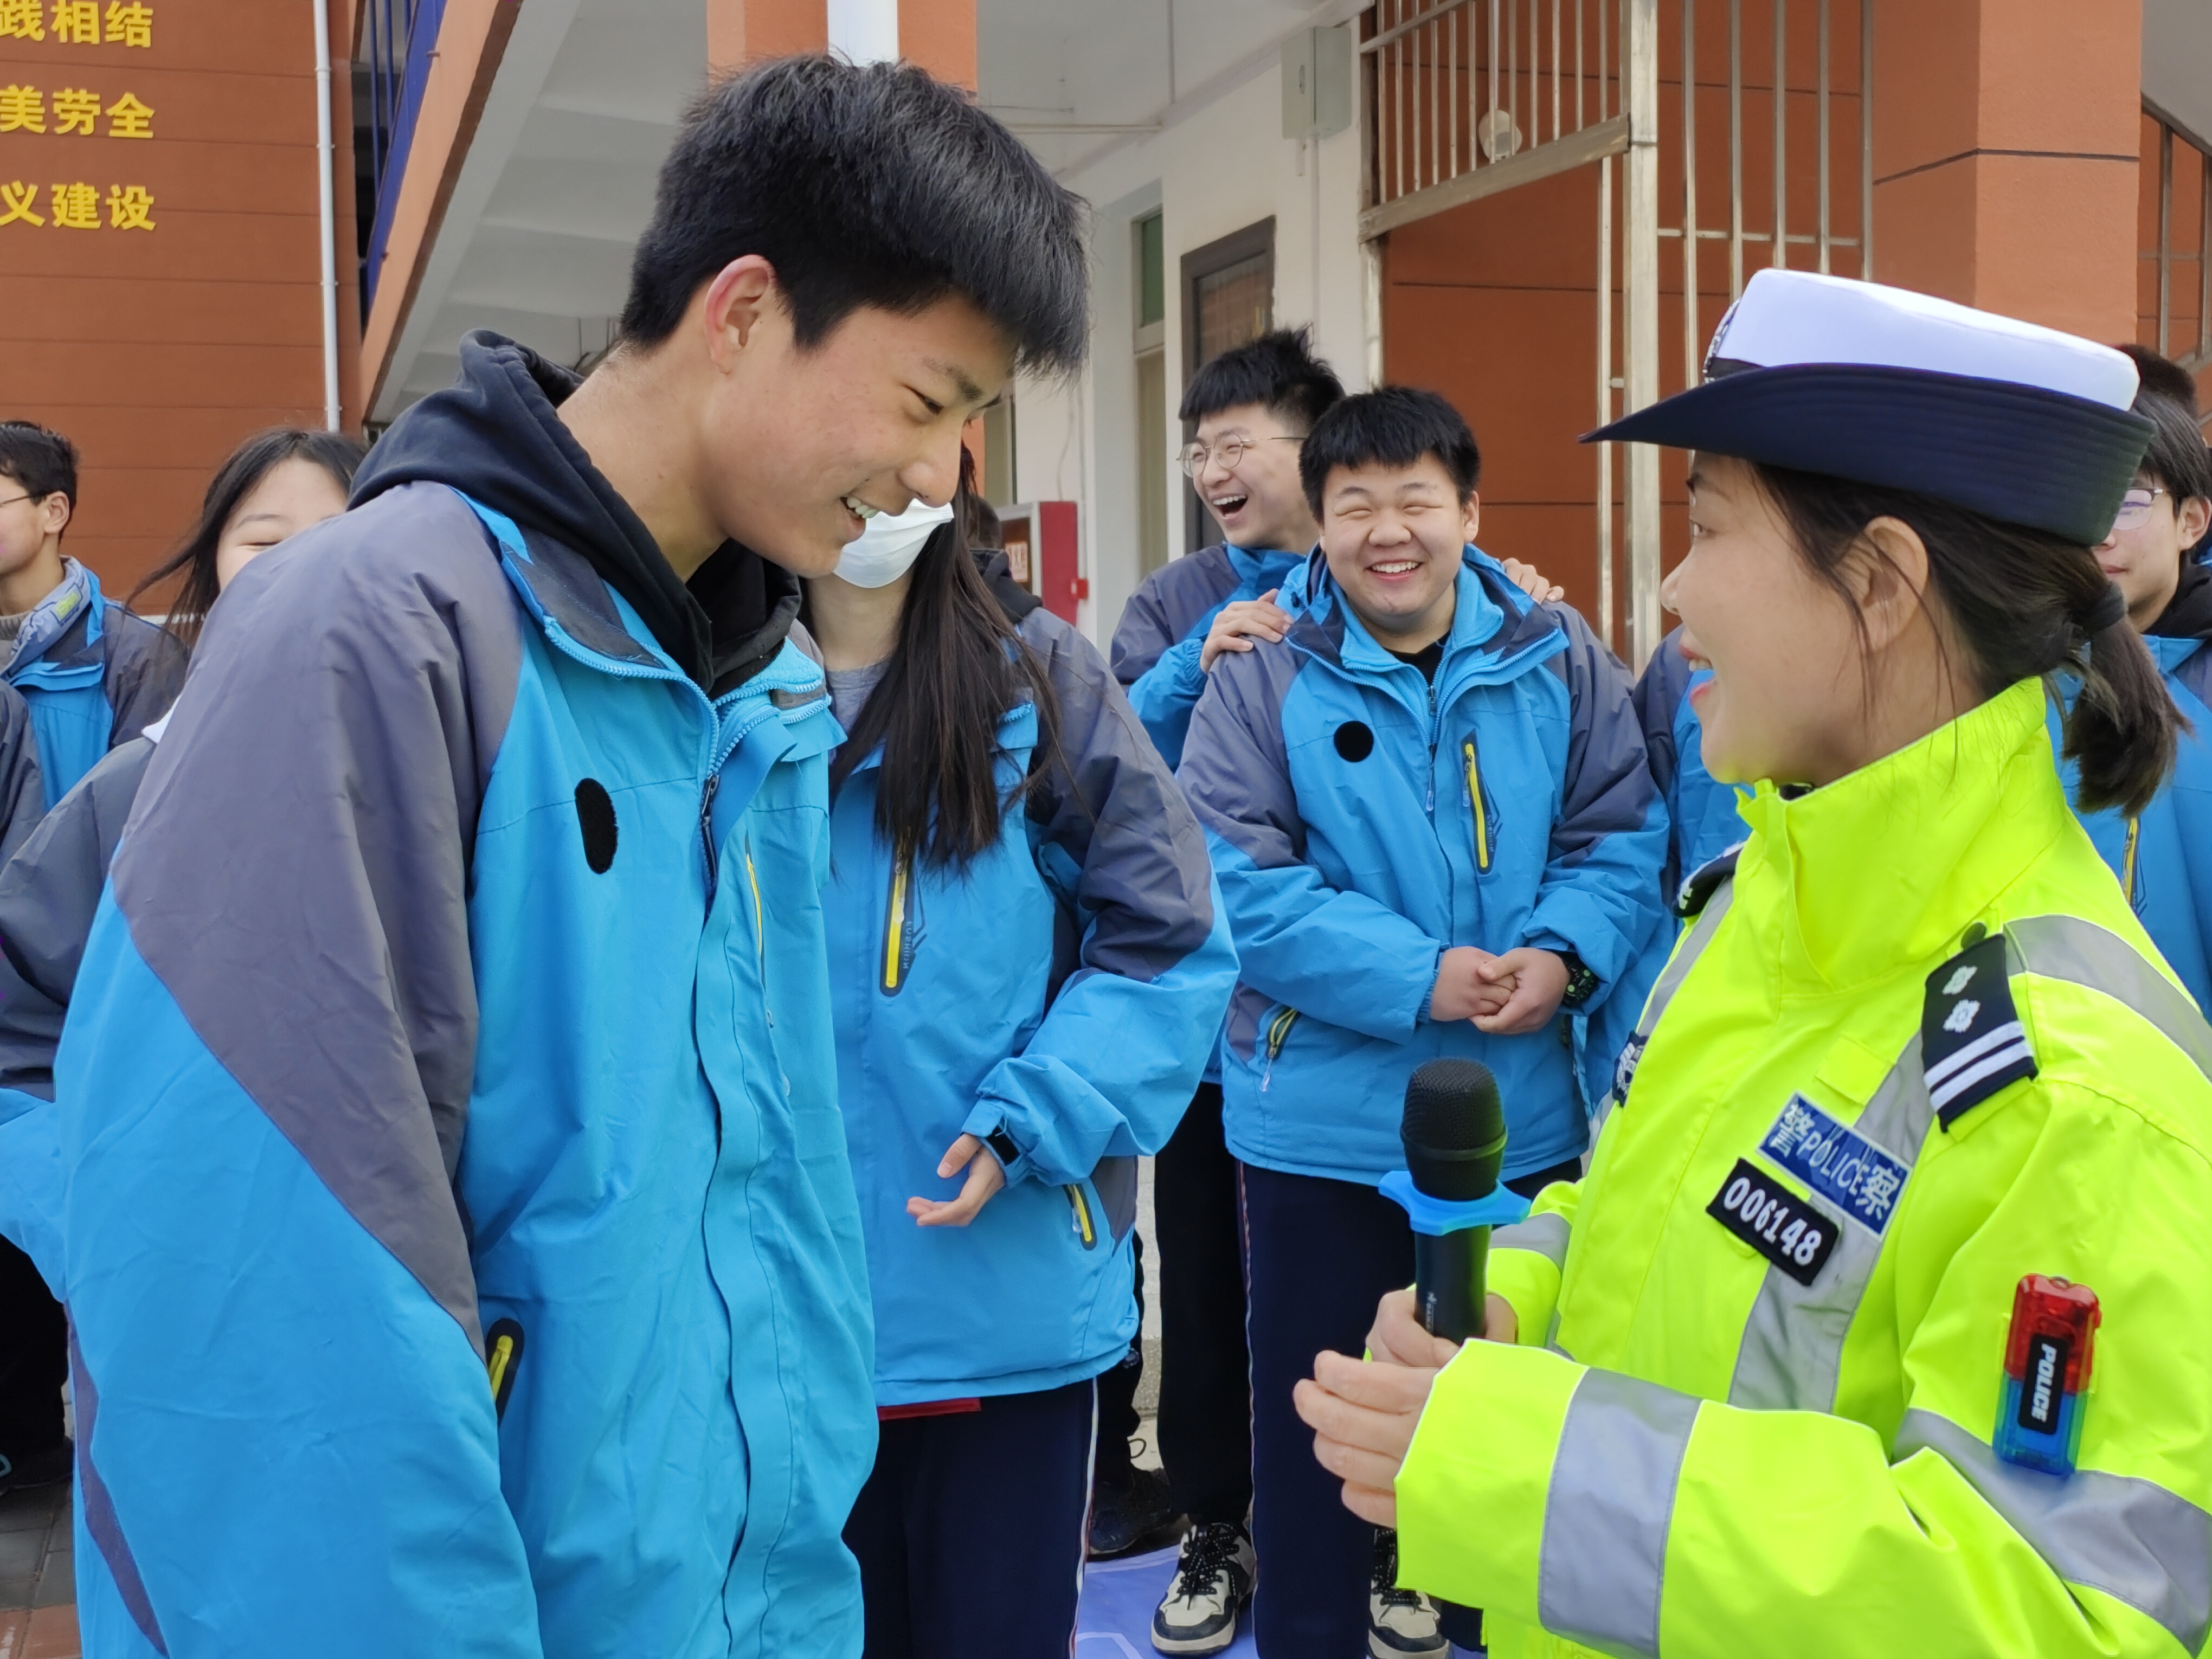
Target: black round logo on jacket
<point>595,814</point>
<point>1355,741</point>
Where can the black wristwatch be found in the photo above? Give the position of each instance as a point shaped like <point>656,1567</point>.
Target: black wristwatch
<point>1582,983</point>
<point>1002,1145</point>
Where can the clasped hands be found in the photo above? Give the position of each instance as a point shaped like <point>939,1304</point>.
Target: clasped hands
<point>1505,996</point>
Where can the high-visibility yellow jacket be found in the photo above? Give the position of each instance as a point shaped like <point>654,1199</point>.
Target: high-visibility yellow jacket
<point>1692,1453</point>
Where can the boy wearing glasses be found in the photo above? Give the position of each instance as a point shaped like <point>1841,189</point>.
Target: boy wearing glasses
<point>2151,555</point>
<point>92,673</point>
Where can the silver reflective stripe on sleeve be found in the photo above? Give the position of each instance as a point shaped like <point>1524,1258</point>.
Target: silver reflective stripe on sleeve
<point>2131,1538</point>
<point>1606,1517</point>
<point>1793,1343</point>
<point>1546,1235</point>
<point>2082,953</point>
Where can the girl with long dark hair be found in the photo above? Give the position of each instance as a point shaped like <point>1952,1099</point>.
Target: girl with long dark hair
<point>1027,964</point>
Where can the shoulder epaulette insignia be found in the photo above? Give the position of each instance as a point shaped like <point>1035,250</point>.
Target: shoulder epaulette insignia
<point>1972,1042</point>
<point>1701,883</point>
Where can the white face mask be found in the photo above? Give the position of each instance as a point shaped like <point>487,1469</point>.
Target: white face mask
<point>889,546</point>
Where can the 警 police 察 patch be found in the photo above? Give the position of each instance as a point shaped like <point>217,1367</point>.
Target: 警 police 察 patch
<point>1972,1043</point>
<point>1785,1229</point>
<point>1837,1162</point>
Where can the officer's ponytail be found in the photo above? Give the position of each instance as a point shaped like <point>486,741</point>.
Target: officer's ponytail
<point>2022,602</point>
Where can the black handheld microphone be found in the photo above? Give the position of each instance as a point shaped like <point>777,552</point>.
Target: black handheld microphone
<point>1454,1133</point>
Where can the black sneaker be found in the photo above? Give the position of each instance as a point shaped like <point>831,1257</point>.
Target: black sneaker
<point>1212,1583</point>
<point>40,1468</point>
<point>1401,1623</point>
<point>1127,1505</point>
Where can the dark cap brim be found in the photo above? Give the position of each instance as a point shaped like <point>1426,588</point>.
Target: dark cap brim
<point>2014,452</point>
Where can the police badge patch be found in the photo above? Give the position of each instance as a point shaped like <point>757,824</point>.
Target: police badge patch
<point>1972,1042</point>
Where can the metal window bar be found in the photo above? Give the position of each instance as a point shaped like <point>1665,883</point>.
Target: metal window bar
<point>1692,330</point>
<point>2165,236</point>
<point>1866,141</point>
<point>1781,135</point>
<point>1826,242</point>
<point>1736,148</point>
<point>2204,258</point>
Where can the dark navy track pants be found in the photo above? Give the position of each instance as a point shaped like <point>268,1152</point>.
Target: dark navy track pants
<point>969,1532</point>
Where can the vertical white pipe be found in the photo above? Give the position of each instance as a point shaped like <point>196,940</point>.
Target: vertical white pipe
<point>864,31</point>
<point>326,163</point>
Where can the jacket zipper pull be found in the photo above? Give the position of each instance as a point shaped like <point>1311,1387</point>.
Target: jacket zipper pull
<point>1474,801</point>
<point>706,831</point>
<point>1431,803</point>
<point>1279,1033</point>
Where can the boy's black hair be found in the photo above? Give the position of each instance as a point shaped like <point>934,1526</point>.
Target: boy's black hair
<point>1278,371</point>
<point>43,462</point>
<point>2163,375</point>
<point>1395,426</point>
<point>2177,460</point>
<point>867,186</point>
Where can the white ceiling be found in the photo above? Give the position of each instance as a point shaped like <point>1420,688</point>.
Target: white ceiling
<point>558,182</point>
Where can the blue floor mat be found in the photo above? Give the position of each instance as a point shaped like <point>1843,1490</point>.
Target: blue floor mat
<point>1115,1620</point>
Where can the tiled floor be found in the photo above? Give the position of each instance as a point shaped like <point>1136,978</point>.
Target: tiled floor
<point>37,1584</point>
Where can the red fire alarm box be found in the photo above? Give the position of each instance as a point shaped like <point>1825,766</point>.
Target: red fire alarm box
<point>1039,539</point>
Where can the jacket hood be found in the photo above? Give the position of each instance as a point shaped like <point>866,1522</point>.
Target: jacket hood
<point>2188,614</point>
<point>493,435</point>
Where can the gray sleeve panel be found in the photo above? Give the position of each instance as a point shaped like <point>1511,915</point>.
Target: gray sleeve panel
<point>1659,692</point>
<point>1165,606</point>
<point>50,890</point>
<point>1609,787</point>
<point>30,1023</point>
<point>1236,765</point>
<point>296,870</point>
<point>1147,883</point>
<point>146,667</point>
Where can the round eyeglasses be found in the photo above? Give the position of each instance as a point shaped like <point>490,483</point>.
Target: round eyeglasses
<point>2135,509</point>
<point>1230,450</point>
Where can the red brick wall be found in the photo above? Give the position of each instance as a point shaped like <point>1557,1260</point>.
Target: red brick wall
<point>157,350</point>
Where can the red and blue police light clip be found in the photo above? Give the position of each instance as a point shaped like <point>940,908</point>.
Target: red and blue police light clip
<point>1436,1216</point>
<point>2046,1369</point>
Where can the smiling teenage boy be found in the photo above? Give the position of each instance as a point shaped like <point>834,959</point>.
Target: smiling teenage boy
<point>461,1242</point>
<point>1435,833</point>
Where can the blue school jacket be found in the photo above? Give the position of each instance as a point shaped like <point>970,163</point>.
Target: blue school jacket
<point>1062,993</point>
<point>461,1243</point>
<point>1701,813</point>
<point>93,674</point>
<point>1362,821</point>
<point>2164,859</point>
<point>1163,631</point>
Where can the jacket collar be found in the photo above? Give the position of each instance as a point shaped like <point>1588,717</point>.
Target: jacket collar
<point>1881,870</point>
<point>76,598</point>
<point>1495,632</point>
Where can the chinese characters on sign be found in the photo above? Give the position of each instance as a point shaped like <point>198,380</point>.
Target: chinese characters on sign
<point>77,111</point>
<point>79,23</point>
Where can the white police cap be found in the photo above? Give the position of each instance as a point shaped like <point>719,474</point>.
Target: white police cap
<point>1886,387</point>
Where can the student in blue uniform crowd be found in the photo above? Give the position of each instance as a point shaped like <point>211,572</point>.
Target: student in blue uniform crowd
<point>1252,406</point>
<point>34,1450</point>
<point>1028,966</point>
<point>272,486</point>
<point>462,1249</point>
<point>93,673</point>
<point>2164,856</point>
<point>1435,833</point>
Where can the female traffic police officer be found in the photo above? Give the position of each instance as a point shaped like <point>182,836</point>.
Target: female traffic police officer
<point>1810,1359</point>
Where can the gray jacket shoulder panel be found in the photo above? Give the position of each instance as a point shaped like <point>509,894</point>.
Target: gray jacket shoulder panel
<point>297,866</point>
<point>1236,764</point>
<point>1609,787</point>
<point>146,665</point>
<point>1167,605</point>
<point>1111,801</point>
<point>50,890</point>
